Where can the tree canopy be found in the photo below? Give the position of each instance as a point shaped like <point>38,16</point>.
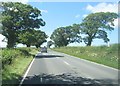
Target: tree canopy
<point>40,38</point>
<point>64,35</point>
<point>16,17</point>
<point>95,26</point>
<point>32,37</point>
<point>50,43</point>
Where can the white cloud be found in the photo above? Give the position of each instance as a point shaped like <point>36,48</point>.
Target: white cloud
<point>44,11</point>
<point>2,44</point>
<point>103,7</point>
<point>1,37</point>
<point>22,1</point>
<point>77,16</point>
<point>85,15</point>
<point>116,23</point>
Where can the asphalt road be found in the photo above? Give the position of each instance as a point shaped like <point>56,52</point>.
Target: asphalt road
<point>59,68</point>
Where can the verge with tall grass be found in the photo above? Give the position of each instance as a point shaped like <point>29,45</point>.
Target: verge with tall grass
<point>14,64</point>
<point>99,54</point>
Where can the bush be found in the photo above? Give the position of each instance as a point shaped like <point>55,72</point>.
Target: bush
<point>15,62</point>
<point>8,55</point>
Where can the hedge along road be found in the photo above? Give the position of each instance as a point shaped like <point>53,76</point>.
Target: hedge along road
<point>59,68</point>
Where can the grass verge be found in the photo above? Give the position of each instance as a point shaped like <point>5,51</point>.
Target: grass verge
<point>99,54</point>
<point>12,73</point>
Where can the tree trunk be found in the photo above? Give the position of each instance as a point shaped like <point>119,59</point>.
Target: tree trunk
<point>28,45</point>
<point>37,46</point>
<point>89,41</point>
<point>11,39</point>
<point>10,43</point>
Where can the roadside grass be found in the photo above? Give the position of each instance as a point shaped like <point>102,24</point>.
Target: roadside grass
<point>99,54</point>
<point>12,73</point>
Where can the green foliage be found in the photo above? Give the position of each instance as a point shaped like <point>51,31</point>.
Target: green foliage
<point>20,59</point>
<point>64,35</point>
<point>16,17</point>
<point>40,38</point>
<point>26,37</point>
<point>50,43</point>
<point>32,37</point>
<point>95,25</point>
<point>100,54</point>
<point>8,55</point>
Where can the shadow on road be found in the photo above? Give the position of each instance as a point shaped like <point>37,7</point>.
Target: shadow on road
<point>47,56</point>
<point>13,81</point>
<point>65,80</point>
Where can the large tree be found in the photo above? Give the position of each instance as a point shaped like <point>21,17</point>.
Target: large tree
<point>16,17</point>
<point>64,35</point>
<point>32,37</point>
<point>50,43</point>
<point>40,38</point>
<point>26,37</point>
<point>96,25</point>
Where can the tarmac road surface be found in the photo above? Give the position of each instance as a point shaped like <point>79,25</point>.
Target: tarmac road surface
<point>59,68</point>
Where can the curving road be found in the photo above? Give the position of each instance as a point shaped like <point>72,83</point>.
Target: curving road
<point>59,68</point>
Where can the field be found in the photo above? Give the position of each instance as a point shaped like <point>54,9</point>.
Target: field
<point>14,63</point>
<point>99,54</point>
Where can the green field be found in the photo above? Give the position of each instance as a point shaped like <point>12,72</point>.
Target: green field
<point>99,54</point>
<point>14,63</point>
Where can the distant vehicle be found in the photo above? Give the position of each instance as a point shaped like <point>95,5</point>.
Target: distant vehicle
<point>43,50</point>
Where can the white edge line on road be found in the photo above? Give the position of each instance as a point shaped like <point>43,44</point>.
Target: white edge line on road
<point>89,61</point>
<point>97,64</point>
<point>66,63</point>
<point>26,72</point>
<point>58,57</point>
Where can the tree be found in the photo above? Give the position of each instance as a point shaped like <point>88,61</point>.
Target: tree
<point>26,37</point>
<point>16,17</point>
<point>95,26</point>
<point>64,35</point>
<point>40,38</point>
<point>50,43</point>
<point>32,37</point>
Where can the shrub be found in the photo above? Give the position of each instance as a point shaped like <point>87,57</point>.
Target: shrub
<point>8,55</point>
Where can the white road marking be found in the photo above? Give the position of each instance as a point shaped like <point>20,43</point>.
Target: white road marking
<point>90,77</point>
<point>97,63</point>
<point>89,61</point>
<point>44,54</point>
<point>57,57</point>
<point>66,63</point>
<point>41,79</point>
<point>26,72</point>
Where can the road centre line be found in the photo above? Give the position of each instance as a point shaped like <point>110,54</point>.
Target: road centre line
<point>83,74</point>
<point>66,63</point>
<point>90,62</point>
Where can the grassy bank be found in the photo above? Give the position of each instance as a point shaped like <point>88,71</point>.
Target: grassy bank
<point>100,54</point>
<point>15,63</point>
